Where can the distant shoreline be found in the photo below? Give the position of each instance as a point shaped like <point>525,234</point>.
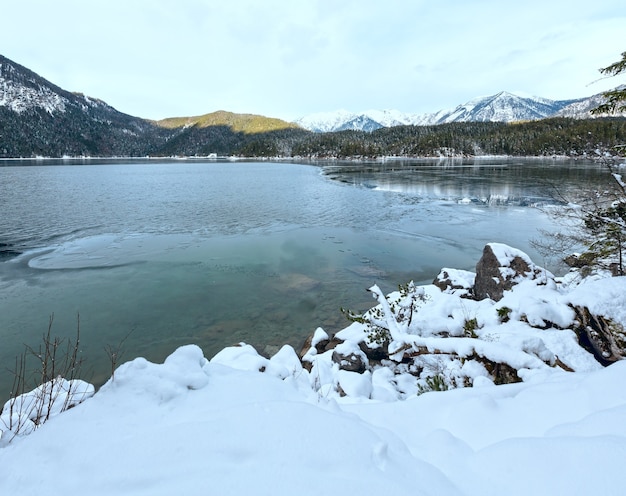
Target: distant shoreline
<point>301,159</point>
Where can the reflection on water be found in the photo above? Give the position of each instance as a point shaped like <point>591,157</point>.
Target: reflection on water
<point>526,182</point>
<point>218,253</point>
<point>267,291</point>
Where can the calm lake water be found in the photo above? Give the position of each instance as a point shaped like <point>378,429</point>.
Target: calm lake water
<point>214,253</point>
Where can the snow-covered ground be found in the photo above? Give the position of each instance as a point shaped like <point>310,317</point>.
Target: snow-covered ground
<point>244,424</point>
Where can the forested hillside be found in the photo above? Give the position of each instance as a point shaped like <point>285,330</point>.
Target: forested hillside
<point>556,136</point>
<point>45,134</point>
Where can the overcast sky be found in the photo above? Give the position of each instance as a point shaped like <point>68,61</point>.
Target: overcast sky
<point>289,58</point>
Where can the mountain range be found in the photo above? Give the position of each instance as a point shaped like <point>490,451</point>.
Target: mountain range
<point>38,118</point>
<point>502,107</point>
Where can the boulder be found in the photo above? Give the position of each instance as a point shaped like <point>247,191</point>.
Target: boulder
<point>298,283</point>
<point>576,261</point>
<point>500,268</point>
<point>374,352</point>
<point>500,373</point>
<point>317,341</point>
<point>352,361</point>
<point>601,337</point>
<point>455,281</point>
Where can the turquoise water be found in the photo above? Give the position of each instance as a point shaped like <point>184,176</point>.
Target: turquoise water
<point>161,254</point>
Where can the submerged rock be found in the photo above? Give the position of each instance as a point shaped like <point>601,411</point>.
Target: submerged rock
<point>298,283</point>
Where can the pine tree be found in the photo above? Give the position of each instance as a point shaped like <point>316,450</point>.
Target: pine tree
<point>616,98</point>
<point>606,224</point>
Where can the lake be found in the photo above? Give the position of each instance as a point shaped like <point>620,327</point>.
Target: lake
<point>161,253</point>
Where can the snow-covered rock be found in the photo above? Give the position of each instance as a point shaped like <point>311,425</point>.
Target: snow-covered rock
<point>455,281</point>
<point>448,336</point>
<point>501,267</point>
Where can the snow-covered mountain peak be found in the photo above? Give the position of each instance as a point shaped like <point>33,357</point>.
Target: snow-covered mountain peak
<point>389,117</point>
<point>501,107</point>
<point>323,122</point>
<point>21,91</point>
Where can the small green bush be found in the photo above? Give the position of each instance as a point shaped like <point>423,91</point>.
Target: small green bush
<point>469,328</point>
<point>433,383</point>
<point>504,314</point>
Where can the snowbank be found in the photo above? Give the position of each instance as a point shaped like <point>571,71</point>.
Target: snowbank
<point>23,414</point>
<point>191,425</point>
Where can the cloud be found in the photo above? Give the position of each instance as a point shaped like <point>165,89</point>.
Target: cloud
<point>156,58</point>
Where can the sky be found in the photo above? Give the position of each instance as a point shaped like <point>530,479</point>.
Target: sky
<point>286,59</point>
